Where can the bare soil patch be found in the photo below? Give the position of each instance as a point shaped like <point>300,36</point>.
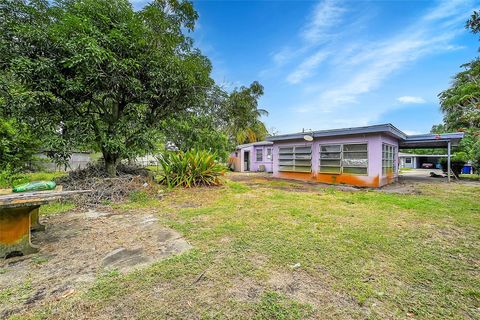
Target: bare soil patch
<point>78,246</point>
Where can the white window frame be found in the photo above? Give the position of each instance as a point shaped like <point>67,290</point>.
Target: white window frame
<point>393,157</point>
<point>257,153</point>
<point>269,154</point>
<point>341,152</point>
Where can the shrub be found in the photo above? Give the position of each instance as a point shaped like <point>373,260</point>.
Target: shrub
<point>17,145</point>
<point>457,161</point>
<point>10,178</point>
<point>190,169</point>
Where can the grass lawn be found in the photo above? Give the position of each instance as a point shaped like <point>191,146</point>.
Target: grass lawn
<point>29,177</point>
<point>274,250</point>
<point>470,176</point>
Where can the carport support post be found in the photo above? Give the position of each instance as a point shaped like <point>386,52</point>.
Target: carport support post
<point>448,161</point>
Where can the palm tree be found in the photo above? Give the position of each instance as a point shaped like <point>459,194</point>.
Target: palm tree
<point>246,125</point>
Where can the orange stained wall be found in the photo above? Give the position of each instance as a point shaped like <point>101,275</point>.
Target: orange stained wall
<point>374,177</point>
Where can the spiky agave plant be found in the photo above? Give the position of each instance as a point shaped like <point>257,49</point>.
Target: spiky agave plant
<point>191,169</point>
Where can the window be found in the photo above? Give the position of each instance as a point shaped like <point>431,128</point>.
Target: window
<point>344,158</point>
<point>331,158</point>
<point>355,158</point>
<point>388,159</point>
<point>408,160</point>
<point>295,158</point>
<point>269,154</point>
<point>259,154</point>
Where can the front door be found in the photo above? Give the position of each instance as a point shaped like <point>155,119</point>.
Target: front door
<point>246,161</point>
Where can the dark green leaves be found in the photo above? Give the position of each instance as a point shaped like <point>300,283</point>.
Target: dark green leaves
<point>98,73</point>
<point>190,169</point>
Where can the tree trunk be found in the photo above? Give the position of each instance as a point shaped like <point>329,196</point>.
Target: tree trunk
<point>111,163</point>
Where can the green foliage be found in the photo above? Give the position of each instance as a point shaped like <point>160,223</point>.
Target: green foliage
<point>139,196</point>
<point>460,103</point>
<point>222,121</point>
<point>474,22</point>
<point>9,179</point>
<point>470,144</point>
<point>190,169</point>
<point>242,106</point>
<point>457,161</point>
<point>57,207</point>
<point>97,73</point>
<point>198,132</point>
<point>17,146</point>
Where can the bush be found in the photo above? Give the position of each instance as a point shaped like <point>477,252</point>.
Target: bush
<point>457,161</point>
<point>9,178</point>
<point>17,145</point>
<point>190,169</point>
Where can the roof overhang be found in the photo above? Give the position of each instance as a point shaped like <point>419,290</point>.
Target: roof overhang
<point>405,141</point>
<point>380,128</point>
<point>254,144</point>
<point>431,140</point>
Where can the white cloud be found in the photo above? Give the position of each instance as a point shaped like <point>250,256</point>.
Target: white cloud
<point>321,27</point>
<point>366,68</point>
<point>305,69</point>
<point>411,100</point>
<point>352,63</point>
<point>326,15</point>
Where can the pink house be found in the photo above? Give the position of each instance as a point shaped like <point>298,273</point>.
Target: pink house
<point>257,156</point>
<point>361,156</point>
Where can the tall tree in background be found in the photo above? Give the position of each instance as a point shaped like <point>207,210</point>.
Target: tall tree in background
<point>97,73</point>
<point>242,108</point>
<point>460,103</point>
<point>222,121</point>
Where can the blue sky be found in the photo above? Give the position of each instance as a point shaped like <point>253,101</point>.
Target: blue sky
<point>332,64</point>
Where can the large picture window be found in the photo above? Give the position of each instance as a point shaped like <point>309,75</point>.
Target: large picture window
<point>388,159</point>
<point>295,158</point>
<point>344,158</point>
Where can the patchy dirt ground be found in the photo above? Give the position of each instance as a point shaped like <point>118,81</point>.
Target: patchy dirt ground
<point>75,248</point>
<point>411,182</point>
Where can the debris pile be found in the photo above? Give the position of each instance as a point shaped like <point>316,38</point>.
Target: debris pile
<point>107,189</point>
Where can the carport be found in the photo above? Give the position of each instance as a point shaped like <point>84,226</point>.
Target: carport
<point>445,140</point>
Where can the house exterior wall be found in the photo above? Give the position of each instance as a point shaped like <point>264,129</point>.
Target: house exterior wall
<point>404,164</point>
<point>238,158</point>
<point>373,178</point>
<point>265,162</point>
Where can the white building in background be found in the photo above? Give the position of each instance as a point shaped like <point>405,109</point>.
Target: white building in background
<point>415,161</point>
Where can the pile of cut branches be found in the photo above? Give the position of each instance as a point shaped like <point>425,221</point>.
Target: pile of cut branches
<point>107,189</point>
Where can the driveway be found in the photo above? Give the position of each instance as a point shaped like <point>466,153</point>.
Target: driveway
<point>422,175</point>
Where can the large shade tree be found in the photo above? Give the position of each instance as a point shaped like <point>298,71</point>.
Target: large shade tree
<point>460,103</point>
<point>97,73</point>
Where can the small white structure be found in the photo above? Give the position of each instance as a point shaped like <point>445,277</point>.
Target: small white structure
<point>78,159</point>
<point>415,161</point>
